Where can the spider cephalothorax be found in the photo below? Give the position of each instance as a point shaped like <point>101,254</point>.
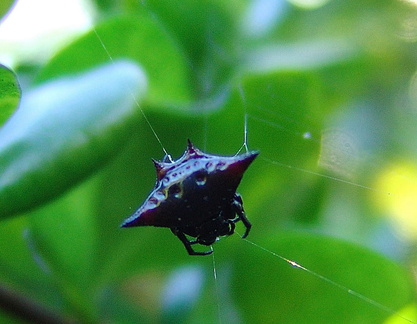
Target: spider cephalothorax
<point>196,196</point>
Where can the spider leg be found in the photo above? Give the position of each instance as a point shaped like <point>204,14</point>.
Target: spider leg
<point>238,205</point>
<point>232,226</point>
<point>187,243</point>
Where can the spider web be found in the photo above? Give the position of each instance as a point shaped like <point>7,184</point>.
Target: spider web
<point>337,155</point>
<point>338,162</point>
<point>333,159</point>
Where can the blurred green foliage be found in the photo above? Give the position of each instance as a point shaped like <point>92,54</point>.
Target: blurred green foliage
<point>328,98</point>
<point>9,94</point>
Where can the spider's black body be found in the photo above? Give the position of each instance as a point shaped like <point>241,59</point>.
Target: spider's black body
<point>196,196</point>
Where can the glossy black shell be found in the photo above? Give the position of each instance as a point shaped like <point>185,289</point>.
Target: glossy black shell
<point>194,192</point>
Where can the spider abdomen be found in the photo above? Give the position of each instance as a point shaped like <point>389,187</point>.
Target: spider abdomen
<point>196,195</point>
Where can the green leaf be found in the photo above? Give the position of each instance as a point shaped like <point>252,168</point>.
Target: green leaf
<point>5,7</point>
<point>65,130</point>
<point>67,244</point>
<point>9,93</point>
<point>209,33</point>
<point>139,38</point>
<point>20,261</point>
<point>291,295</point>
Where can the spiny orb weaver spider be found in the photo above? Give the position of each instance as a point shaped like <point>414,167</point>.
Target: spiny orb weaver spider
<point>196,196</point>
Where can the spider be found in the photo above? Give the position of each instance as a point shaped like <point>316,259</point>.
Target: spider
<point>196,196</point>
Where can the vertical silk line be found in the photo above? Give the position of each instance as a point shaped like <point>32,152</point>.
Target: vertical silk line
<point>217,292</point>
<point>135,99</point>
<point>245,131</point>
<point>245,121</point>
<point>206,120</point>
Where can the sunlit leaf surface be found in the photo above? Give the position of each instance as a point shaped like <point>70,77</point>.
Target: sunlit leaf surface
<point>64,130</point>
